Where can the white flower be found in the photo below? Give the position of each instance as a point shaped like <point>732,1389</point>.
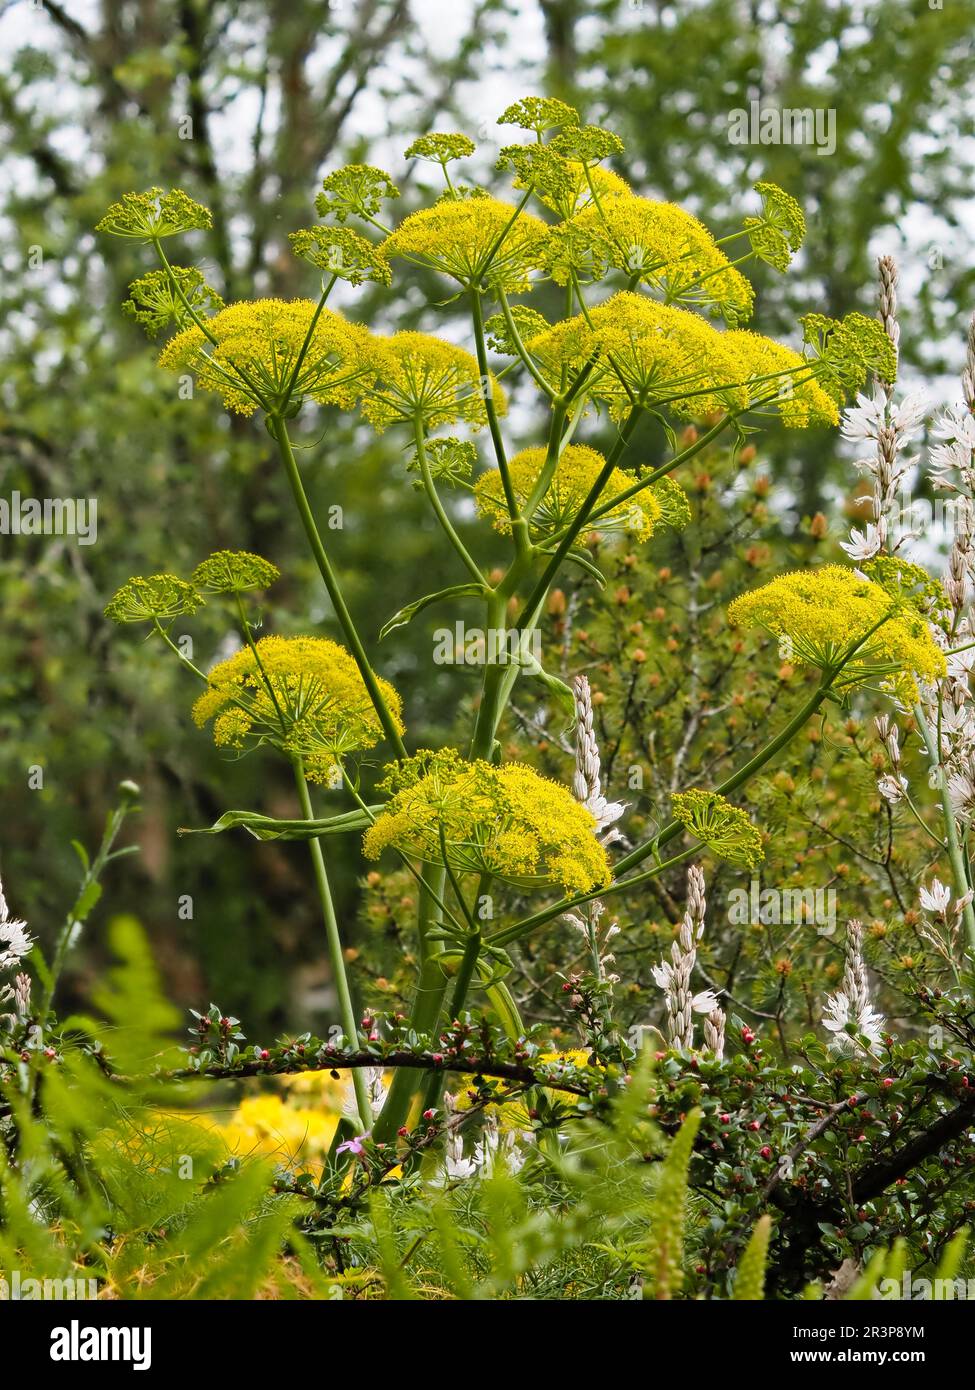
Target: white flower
<point>872,413</point>
<point>704,1002</point>
<point>953,455</point>
<point>456,1165</point>
<point>607,813</point>
<point>15,940</point>
<point>936,898</point>
<point>961,664</point>
<point>908,415</point>
<point>892,788</point>
<point>863,420</point>
<point>955,424</point>
<point>961,793</point>
<point>838,1016</point>
<point>865,545</point>
<point>662,974</point>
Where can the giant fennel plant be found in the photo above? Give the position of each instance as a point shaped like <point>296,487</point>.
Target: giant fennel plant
<point>651,337</point>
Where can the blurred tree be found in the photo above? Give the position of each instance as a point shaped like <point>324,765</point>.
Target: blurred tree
<point>898,76</point>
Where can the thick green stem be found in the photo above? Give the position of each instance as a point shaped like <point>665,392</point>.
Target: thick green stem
<point>280,431</point>
<point>431,987</point>
<point>336,958</point>
<point>490,709</point>
<point>552,568</point>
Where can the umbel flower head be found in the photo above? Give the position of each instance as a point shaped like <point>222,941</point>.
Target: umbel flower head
<point>507,821</point>
<point>441,148</point>
<point>355,190</point>
<point>156,302</point>
<point>777,234</point>
<point>641,351</point>
<point>303,695</point>
<point>476,241</point>
<point>724,828</point>
<point>234,572</point>
<point>662,245</point>
<point>154,214</point>
<point>258,347</point>
<point>787,382</point>
<point>539,114</point>
<point>160,598</point>
<point>827,612</point>
<point>848,350</point>
<point>341,252</point>
<point>576,471</point>
<point>567,187</point>
<point>422,378</point>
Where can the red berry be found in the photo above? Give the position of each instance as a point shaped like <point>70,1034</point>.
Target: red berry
<point>888,1081</point>
<point>766,1152</point>
<point>402,1131</point>
<point>725,1119</point>
<point>754,1124</point>
<point>429,1114</point>
<point>264,1054</point>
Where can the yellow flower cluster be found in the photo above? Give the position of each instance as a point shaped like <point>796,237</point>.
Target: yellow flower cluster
<point>420,377</point>
<point>258,345</point>
<point>575,473</point>
<point>507,821</point>
<point>798,396</point>
<point>724,828</point>
<point>304,695</point>
<point>281,1127</point>
<point>824,613</point>
<point>640,352</point>
<point>474,240</point>
<point>576,192</point>
<point>660,243</point>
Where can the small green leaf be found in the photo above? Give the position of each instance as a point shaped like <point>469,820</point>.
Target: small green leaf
<point>409,612</point>
<point>269,828</point>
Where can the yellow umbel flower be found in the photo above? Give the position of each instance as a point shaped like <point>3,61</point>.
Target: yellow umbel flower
<point>640,352</point>
<point>506,821</point>
<point>822,614</point>
<point>304,695</point>
<point>423,378</point>
<point>776,370</point>
<point>258,346</point>
<point>663,245</point>
<point>475,240</point>
<point>574,192</point>
<point>266,1124</point>
<point>575,473</point>
<point>648,353</point>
